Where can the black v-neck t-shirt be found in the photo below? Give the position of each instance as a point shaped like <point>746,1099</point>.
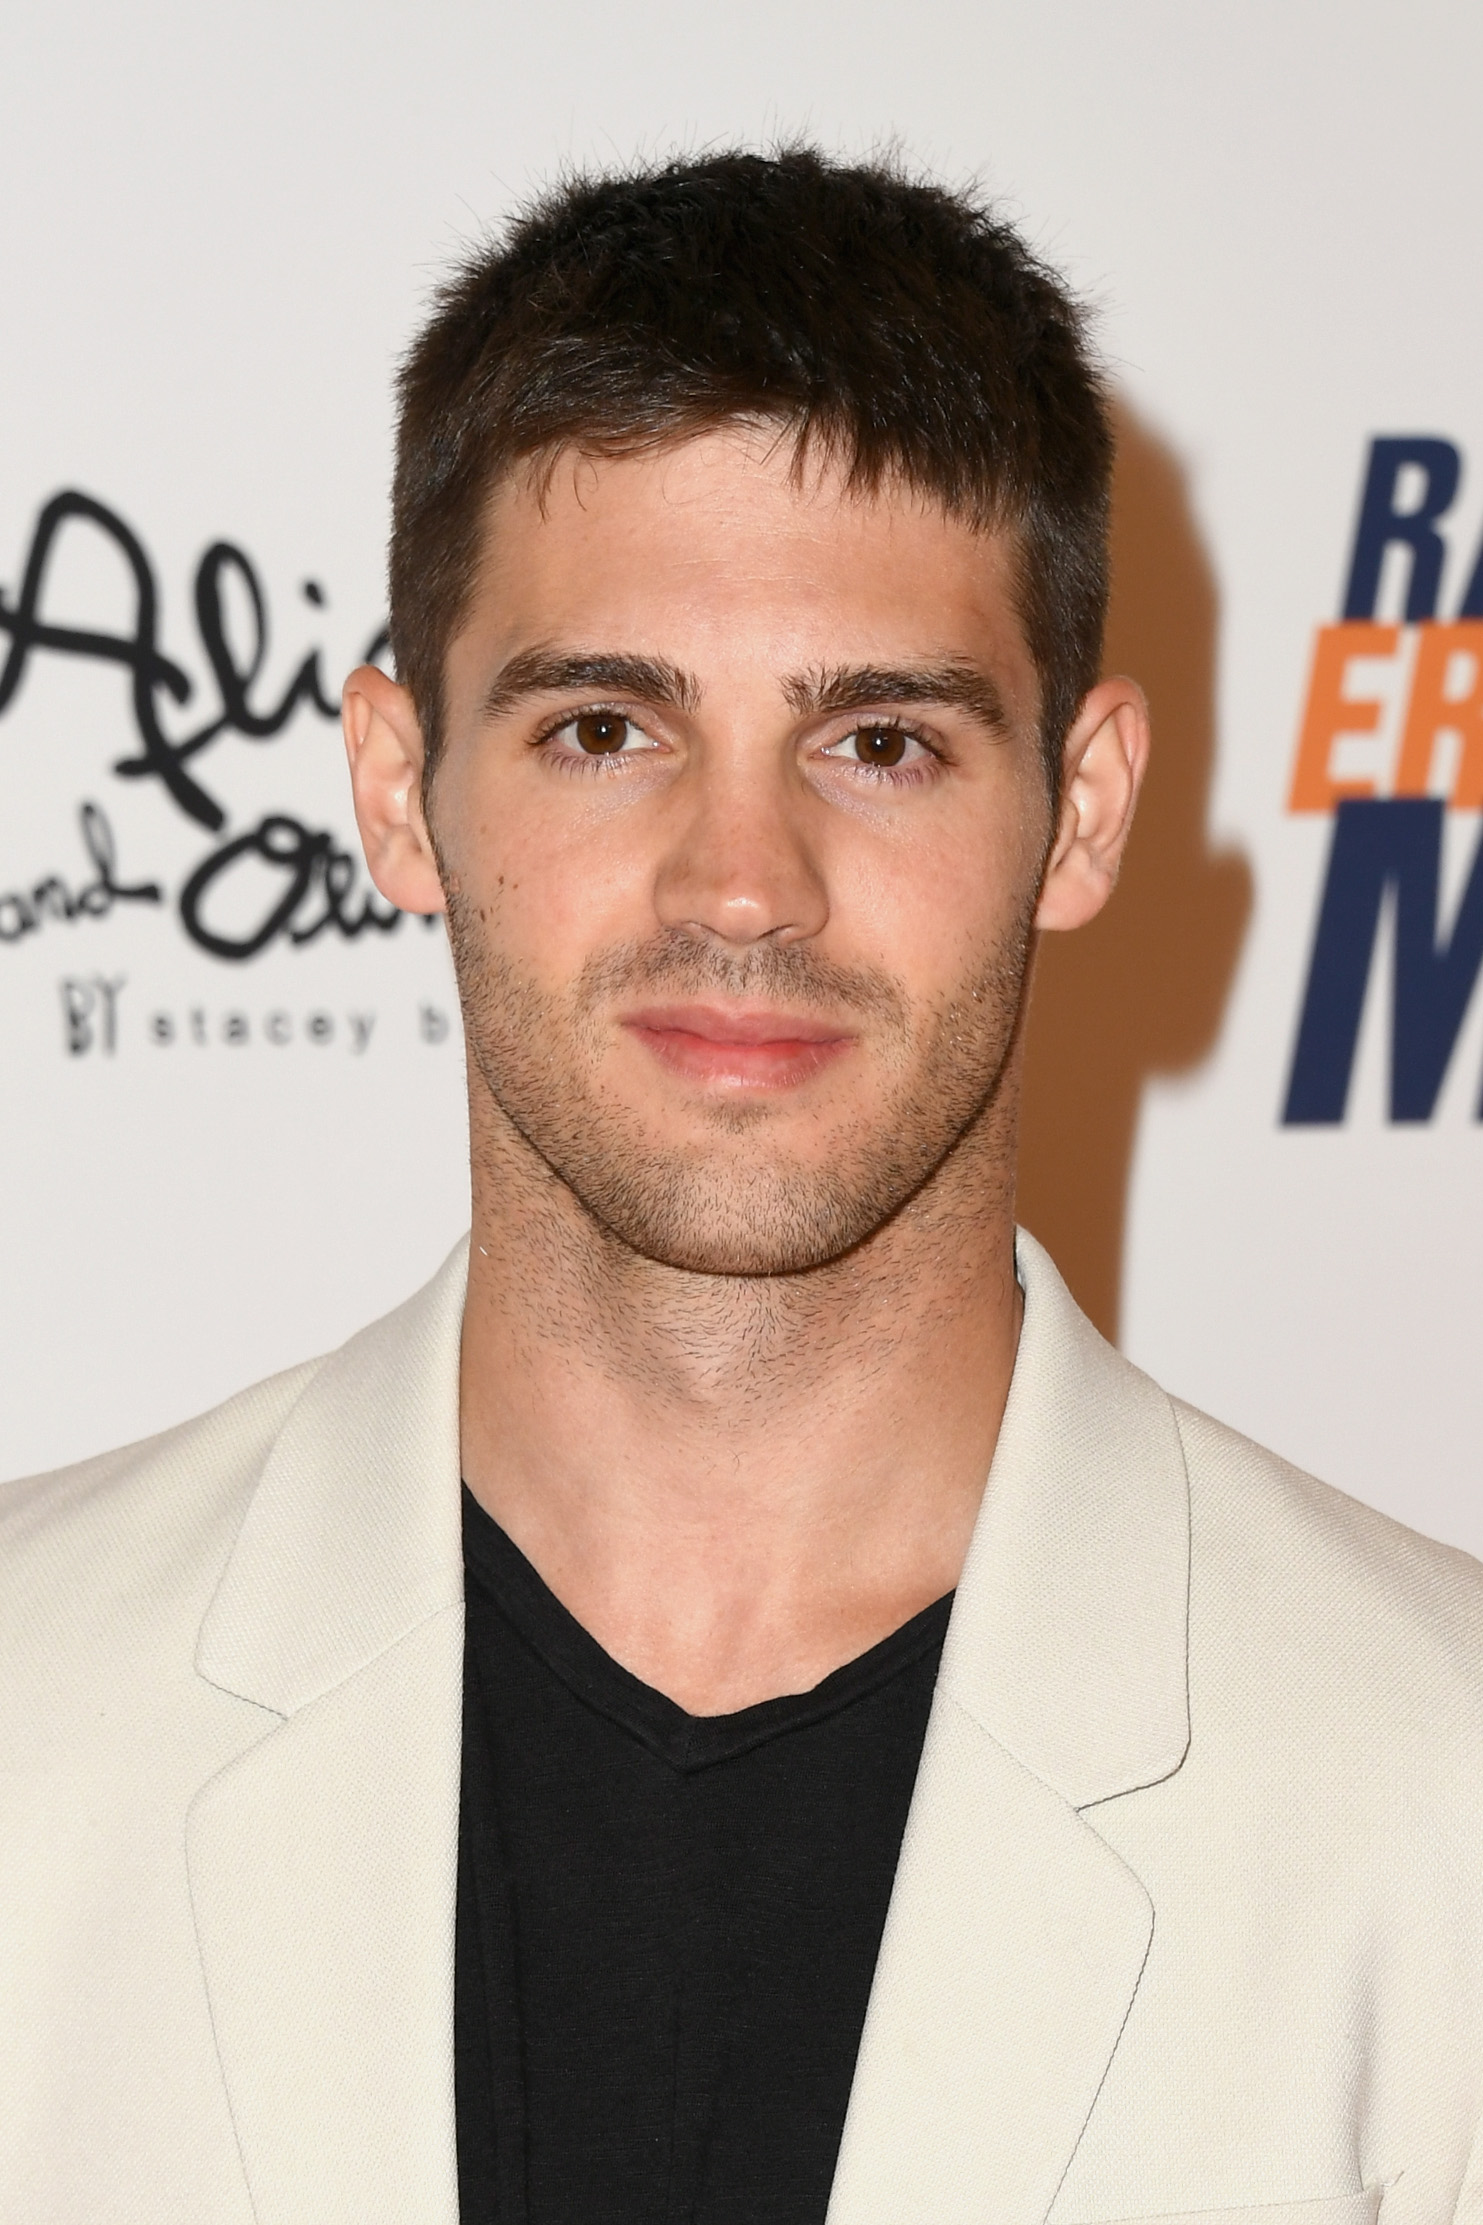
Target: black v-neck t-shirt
<point>667,1923</point>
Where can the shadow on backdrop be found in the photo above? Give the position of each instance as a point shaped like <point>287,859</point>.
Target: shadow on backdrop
<point>1143,989</point>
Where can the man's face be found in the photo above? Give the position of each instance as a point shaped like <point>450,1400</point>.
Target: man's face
<point>741,818</point>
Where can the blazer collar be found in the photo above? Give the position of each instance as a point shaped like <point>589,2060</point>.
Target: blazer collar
<point>1016,1937</point>
<point>352,1537</point>
<point>323,1860</point>
<point>1069,1631</point>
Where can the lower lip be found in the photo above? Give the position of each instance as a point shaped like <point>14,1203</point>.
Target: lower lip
<point>782,1062</point>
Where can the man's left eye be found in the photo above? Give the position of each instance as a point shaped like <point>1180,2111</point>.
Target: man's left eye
<point>876,745</point>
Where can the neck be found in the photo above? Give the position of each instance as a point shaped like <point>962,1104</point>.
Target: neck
<point>737,1483</point>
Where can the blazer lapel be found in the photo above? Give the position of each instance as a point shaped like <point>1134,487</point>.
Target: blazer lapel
<point>323,1862</point>
<point>322,1876</point>
<point>1012,1950</point>
<point>1016,1936</point>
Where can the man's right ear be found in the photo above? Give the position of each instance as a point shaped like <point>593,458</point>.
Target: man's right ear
<point>383,740</point>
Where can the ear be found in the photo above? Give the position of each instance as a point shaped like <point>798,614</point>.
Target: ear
<point>1105,758</point>
<point>383,740</point>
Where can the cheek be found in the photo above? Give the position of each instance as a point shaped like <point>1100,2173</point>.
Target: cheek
<point>928,910</point>
<point>549,894</point>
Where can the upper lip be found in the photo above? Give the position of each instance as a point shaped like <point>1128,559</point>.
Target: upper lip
<point>737,1023</point>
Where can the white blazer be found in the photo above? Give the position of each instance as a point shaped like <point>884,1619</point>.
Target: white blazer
<point>1188,1919</point>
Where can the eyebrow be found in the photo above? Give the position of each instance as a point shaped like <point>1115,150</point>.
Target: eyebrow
<point>953,683</point>
<point>556,672</point>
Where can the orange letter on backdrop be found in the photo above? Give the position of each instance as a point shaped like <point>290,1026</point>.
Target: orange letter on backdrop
<point>1433,711</point>
<point>1331,713</point>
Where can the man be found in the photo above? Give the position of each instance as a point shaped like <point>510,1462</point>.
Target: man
<point>795,1822</point>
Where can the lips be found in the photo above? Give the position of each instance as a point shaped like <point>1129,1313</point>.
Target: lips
<point>754,1047</point>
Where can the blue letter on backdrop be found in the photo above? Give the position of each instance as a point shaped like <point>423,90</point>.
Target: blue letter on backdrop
<point>1381,846</point>
<point>1381,523</point>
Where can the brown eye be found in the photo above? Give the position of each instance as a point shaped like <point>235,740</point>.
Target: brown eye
<point>600,733</point>
<point>879,745</point>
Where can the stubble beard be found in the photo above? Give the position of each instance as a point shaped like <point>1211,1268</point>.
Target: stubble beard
<point>734,1202</point>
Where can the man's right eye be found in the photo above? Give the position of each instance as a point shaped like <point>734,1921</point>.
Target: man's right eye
<point>594,734</point>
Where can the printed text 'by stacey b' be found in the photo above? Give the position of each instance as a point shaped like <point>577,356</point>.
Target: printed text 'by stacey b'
<point>100,1017</point>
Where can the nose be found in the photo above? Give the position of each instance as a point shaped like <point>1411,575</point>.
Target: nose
<point>741,866</point>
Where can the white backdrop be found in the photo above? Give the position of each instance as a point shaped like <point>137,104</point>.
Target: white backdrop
<point>220,227</point>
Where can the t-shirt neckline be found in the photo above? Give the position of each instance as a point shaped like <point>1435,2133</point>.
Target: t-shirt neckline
<point>494,1563</point>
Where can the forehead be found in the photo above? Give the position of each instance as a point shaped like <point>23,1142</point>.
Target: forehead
<point>720,550</point>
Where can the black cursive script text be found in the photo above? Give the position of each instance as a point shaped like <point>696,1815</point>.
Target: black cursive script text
<point>154,677</point>
<point>24,911</point>
<point>317,879</point>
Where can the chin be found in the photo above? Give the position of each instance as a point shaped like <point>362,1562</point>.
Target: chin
<point>746,1255</point>
<point>791,1225</point>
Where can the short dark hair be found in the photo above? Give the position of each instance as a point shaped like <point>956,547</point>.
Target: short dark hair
<point>901,328</point>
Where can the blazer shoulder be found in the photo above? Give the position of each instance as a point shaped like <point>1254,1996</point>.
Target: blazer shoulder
<point>1380,1608</point>
<point>123,1551</point>
<point>214,1444</point>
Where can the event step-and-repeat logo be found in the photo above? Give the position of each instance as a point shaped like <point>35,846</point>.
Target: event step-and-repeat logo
<point>254,881</point>
<point>1391,740</point>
